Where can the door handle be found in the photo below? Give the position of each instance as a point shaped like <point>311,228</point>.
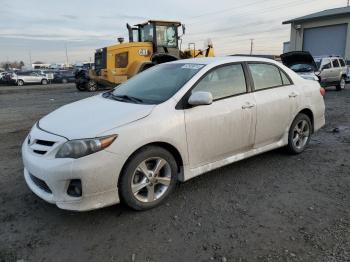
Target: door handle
<point>293,94</point>
<point>248,106</point>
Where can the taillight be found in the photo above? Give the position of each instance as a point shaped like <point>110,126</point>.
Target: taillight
<point>322,91</point>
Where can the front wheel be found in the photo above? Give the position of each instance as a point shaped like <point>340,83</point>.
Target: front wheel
<point>299,134</point>
<point>44,82</point>
<point>20,82</point>
<point>341,84</point>
<point>148,178</point>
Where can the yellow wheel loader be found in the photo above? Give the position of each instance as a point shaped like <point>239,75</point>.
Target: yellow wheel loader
<point>151,43</point>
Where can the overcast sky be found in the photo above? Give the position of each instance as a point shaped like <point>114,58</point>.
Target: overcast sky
<point>43,28</point>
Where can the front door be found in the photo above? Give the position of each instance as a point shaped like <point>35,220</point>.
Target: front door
<point>225,127</point>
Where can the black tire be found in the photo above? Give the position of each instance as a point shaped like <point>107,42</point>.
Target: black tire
<point>64,81</point>
<point>91,86</point>
<point>44,82</point>
<point>80,87</point>
<point>125,180</point>
<point>342,84</point>
<point>293,147</point>
<point>20,82</point>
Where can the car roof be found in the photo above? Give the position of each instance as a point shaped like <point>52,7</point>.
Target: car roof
<point>223,60</point>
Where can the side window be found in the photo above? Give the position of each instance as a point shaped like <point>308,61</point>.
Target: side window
<point>342,63</point>
<point>285,78</point>
<point>335,63</point>
<point>326,64</point>
<point>223,82</point>
<point>265,76</point>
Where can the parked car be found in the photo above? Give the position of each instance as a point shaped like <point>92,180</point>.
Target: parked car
<point>332,71</point>
<point>169,123</point>
<point>64,77</point>
<point>29,77</point>
<point>301,63</point>
<point>329,71</point>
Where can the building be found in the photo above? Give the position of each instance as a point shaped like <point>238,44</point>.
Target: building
<point>322,33</point>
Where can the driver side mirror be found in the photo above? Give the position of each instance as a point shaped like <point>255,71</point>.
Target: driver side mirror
<point>183,29</point>
<point>200,99</point>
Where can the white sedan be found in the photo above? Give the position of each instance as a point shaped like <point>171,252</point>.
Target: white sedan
<point>170,123</point>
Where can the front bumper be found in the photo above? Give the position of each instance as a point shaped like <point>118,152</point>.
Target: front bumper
<point>49,177</point>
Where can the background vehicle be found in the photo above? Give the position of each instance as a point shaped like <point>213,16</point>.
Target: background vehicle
<point>150,43</point>
<point>332,71</point>
<point>301,63</point>
<point>328,70</point>
<point>64,76</point>
<point>29,77</point>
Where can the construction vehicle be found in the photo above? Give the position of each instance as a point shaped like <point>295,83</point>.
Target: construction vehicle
<point>151,43</point>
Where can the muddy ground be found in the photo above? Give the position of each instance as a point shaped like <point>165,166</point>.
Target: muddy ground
<point>272,207</point>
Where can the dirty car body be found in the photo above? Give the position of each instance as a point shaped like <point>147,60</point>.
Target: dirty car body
<point>170,123</point>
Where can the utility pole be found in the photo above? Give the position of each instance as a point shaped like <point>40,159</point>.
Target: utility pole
<point>30,58</point>
<point>66,55</point>
<point>251,46</point>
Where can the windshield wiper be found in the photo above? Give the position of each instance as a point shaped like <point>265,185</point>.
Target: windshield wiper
<point>127,98</point>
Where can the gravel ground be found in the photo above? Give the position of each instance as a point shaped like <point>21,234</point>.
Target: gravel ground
<point>272,207</point>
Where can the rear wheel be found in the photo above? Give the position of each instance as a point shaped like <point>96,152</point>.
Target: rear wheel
<point>92,86</point>
<point>342,84</point>
<point>44,82</point>
<point>299,134</point>
<point>148,178</point>
<point>20,82</point>
<point>64,81</point>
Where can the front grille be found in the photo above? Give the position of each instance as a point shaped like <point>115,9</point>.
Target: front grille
<point>44,142</point>
<point>41,184</point>
<point>40,152</point>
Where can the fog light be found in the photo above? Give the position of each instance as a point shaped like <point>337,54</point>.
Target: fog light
<point>74,188</point>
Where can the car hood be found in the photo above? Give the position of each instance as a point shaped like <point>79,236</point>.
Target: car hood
<point>298,57</point>
<point>90,117</point>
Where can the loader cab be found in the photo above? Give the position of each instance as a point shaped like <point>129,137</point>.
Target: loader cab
<point>162,34</point>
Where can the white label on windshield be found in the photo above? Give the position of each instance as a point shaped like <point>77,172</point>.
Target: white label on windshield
<point>192,66</point>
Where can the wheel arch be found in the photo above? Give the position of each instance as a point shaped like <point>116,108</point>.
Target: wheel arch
<point>310,114</point>
<point>165,145</point>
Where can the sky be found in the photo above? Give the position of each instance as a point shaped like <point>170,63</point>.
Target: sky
<point>41,30</point>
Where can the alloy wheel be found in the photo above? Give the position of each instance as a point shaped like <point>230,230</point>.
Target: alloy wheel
<point>151,179</point>
<point>342,83</point>
<point>301,134</point>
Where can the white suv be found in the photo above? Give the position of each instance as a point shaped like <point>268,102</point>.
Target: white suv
<point>29,77</point>
<point>332,71</point>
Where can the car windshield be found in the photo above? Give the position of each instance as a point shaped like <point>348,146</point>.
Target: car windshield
<point>302,68</point>
<point>156,84</point>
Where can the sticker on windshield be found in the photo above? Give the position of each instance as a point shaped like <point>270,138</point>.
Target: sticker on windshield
<point>192,66</point>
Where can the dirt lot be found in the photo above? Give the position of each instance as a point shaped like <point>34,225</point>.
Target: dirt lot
<point>272,207</point>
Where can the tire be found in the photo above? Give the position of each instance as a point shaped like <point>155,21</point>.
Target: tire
<point>299,134</point>
<point>44,82</point>
<point>135,188</point>
<point>80,87</point>
<point>342,84</point>
<point>20,82</point>
<point>64,81</point>
<point>91,86</point>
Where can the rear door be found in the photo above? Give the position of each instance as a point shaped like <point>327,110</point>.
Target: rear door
<point>276,99</point>
<point>336,72</point>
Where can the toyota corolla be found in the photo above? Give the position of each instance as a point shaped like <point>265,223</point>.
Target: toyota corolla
<point>170,123</point>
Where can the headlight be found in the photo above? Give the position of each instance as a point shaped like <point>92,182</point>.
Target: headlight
<point>84,147</point>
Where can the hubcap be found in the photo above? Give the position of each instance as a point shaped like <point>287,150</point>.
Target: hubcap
<point>151,179</point>
<point>301,134</point>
